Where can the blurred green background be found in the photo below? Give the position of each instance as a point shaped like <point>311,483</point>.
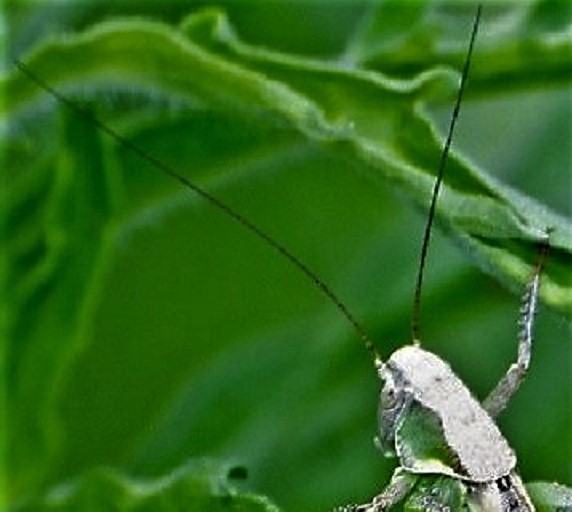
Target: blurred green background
<point>145,328</point>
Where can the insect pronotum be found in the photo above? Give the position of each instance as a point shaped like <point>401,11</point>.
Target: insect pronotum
<point>498,485</point>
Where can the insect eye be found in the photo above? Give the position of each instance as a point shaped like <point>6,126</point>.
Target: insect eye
<point>391,395</point>
<point>389,398</point>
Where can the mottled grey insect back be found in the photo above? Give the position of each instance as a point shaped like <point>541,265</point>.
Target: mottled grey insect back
<point>473,438</point>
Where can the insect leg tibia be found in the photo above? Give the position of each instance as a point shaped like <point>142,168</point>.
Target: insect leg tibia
<point>498,399</point>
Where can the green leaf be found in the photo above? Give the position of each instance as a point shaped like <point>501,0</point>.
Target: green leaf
<point>550,497</point>
<point>379,123</point>
<point>143,327</point>
<point>199,486</point>
<point>57,240</point>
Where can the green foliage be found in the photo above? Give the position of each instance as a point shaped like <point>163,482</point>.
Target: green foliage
<point>144,329</point>
<point>550,497</point>
<point>202,485</point>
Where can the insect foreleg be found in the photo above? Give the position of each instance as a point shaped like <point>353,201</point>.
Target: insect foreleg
<point>498,399</point>
<point>400,486</point>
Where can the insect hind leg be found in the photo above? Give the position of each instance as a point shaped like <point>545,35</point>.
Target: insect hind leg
<point>498,399</point>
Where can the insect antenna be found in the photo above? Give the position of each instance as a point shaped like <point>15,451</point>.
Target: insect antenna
<point>320,284</point>
<point>416,315</point>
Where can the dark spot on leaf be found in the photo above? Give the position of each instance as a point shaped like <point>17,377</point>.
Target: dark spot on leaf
<point>238,473</point>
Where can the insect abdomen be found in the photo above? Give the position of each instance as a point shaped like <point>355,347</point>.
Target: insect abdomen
<point>506,494</point>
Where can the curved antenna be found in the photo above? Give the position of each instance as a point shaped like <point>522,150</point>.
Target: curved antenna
<point>416,315</point>
<point>211,199</point>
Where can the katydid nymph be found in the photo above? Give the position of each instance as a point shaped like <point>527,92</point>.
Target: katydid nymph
<point>429,419</point>
<point>421,399</point>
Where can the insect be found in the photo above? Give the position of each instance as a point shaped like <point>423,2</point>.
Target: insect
<point>429,419</point>
<point>388,392</point>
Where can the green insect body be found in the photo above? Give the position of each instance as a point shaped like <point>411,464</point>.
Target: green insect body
<point>437,494</point>
<point>440,428</point>
<point>444,494</point>
<point>444,437</point>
